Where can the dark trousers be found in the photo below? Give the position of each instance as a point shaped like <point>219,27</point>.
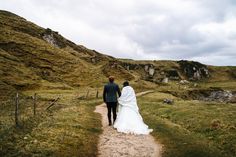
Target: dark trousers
<point>111,106</point>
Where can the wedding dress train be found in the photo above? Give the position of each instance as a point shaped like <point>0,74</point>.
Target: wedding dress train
<point>129,119</point>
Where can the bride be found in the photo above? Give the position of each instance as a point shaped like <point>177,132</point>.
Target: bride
<point>128,119</point>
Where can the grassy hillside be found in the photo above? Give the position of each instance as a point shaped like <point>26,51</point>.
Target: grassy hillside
<point>191,128</point>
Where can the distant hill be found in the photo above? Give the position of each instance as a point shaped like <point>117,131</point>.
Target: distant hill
<point>32,57</point>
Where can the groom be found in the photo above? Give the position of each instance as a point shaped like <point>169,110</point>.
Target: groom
<point>110,92</point>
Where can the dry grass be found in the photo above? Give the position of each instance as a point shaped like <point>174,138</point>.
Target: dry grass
<point>69,128</point>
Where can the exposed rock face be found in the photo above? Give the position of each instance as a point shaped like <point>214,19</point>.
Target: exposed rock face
<point>214,95</point>
<point>49,37</point>
<point>220,95</point>
<point>194,70</point>
<point>173,74</point>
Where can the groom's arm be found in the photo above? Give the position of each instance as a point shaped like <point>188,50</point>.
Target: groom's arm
<point>118,90</point>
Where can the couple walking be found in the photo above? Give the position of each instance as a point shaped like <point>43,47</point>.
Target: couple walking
<point>128,119</point>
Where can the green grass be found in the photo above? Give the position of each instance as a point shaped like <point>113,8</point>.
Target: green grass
<point>191,128</point>
<point>69,128</point>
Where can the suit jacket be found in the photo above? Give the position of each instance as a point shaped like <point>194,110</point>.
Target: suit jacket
<point>110,92</point>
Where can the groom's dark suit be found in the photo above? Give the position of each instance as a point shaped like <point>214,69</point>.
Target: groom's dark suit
<point>110,98</point>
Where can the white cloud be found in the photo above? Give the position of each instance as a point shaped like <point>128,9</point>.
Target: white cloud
<point>138,29</point>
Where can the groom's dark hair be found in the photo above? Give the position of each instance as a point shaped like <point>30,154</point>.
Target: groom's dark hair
<point>126,83</point>
<point>111,78</point>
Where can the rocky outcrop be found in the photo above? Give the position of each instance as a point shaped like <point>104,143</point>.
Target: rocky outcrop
<point>194,70</point>
<point>173,74</point>
<point>48,36</point>
<point>213,95</point>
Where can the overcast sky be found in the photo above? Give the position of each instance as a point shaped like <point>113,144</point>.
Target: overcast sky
<point>200,30</point>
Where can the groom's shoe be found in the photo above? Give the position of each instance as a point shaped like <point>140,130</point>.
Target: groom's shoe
<point>110,124</point>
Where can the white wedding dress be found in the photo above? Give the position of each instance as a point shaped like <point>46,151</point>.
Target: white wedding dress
<point>128,119</point>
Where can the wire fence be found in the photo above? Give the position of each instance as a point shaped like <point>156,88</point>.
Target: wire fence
<point>89,93</point>
<point>16,109</point>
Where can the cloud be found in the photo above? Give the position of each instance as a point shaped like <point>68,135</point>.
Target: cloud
<point>153,29</point>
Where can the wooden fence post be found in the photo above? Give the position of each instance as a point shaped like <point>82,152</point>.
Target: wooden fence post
<point>16,109</point>
<point>35,99</point>
<point>87,94</point>
<point>97,94</point>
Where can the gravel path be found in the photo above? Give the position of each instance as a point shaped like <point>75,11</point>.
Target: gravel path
<point>115,144</point>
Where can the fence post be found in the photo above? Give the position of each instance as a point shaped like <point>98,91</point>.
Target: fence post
<point>97,94</point>
<point>16,109</point>
<point>87,94</point>
<point>35,99</point>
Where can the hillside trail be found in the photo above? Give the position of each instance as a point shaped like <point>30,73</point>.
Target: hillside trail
<point>115,144</point>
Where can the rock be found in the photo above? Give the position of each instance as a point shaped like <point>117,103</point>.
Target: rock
<point>93,60</point>
<point>196,75</point>
<point>165,80</point>
<point>184,82</point>
<point>25,138</point>
<point>50,39</point>
<point>233,99</point>
<point>221,96</point>
<point>151,71</point>
<point>146,67</point>
<point>168,101</point>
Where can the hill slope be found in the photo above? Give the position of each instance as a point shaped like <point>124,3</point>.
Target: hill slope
<point>32,57</point>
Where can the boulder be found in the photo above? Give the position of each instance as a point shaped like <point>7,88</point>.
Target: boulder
<point>165,80</point>
<point>146,67</point>
<point>168,101</point>
<point>184,82</point>
<point>151,71</point>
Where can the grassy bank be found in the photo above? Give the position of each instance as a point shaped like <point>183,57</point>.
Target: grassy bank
<point>69,128</point>
<point>191,128</point>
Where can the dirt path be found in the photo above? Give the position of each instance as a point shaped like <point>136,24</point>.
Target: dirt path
<point>115,144</point>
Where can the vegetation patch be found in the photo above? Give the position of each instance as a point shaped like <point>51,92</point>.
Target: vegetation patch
<point>69,128</point>
<point>191,128</point>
